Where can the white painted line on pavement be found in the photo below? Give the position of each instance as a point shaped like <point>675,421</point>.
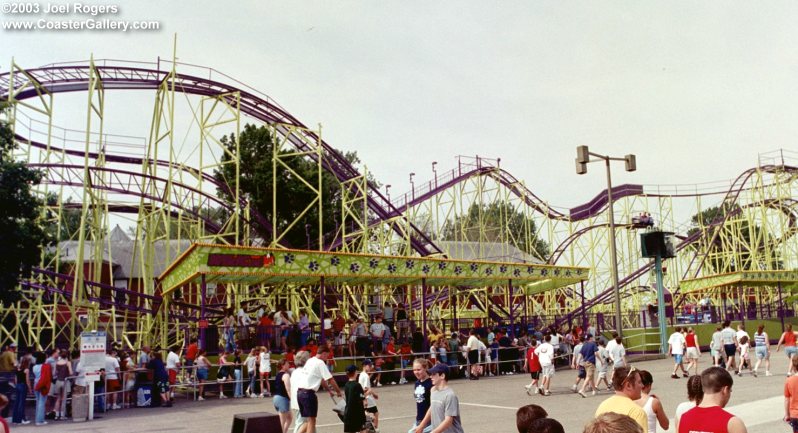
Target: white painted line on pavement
<point>381,419</point>
<point>489,406</point>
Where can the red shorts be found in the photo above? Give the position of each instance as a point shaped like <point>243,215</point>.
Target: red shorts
<point>113,385</point>
<point>172,377</point>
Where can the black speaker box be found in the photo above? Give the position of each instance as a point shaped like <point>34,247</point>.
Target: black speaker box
<point>256,422</point>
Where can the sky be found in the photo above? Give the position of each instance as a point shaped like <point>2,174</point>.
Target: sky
<point>696,90</point>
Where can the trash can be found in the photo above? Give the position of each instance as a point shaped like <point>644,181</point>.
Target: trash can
<point>80,407</point>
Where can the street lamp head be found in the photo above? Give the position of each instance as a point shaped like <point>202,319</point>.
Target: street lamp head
<point>581,167</point>
<point>630,162</point>
<point>411,177</point>
<point>582,155</point>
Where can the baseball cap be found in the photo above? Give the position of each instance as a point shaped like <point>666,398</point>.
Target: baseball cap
<point>439,369</point>
<point>351,368</point>
<point>367,362</point>
<point>12,345</point>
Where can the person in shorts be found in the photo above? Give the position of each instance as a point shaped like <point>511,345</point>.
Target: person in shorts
<point>693,350</point>
<point>762,349</point>
<point>317,375</point>
<point>371,397</point>
<point>603,366</point>
<point>203,365</point>
<point>532,365</point>
<point>788,338</point>
<point>676,345</point>
<point>113,385</point>
<point>264,369</point>
<point>728,338</point>
<point>281,400</point>
<point>545,353</point>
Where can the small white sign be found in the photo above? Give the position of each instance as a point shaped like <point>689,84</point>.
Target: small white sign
<point>92,353</point>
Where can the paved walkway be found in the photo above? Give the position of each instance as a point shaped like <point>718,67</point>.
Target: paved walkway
<point>487,405</point>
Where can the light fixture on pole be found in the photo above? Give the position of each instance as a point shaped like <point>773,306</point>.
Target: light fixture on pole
<point>435,173</point>
<point>583,155</point>
<point>412,187</point>
<point>388,192</point>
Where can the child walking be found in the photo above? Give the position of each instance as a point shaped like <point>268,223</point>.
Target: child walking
<point>354,413</point>
<point>265,367</point>
<point>745,357</point>
<point>532,366</point>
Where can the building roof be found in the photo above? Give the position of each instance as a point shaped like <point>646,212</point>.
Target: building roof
<point>488,251</point>
<point>125,255</point>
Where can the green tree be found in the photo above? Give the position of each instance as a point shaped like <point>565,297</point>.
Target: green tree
<point>256,146</point>
<point>497,222</point>
<point>70,219</point>
<point>21,236</point>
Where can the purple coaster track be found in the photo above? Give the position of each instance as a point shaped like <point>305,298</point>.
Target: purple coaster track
<point>75,78</point>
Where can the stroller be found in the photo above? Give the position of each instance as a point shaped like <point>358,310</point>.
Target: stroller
<point>339,407</point>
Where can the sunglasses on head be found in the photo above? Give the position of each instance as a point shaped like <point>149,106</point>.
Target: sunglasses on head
<point>629,374</point>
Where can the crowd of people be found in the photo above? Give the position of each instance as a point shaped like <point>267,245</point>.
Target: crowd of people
<point>55,377</point>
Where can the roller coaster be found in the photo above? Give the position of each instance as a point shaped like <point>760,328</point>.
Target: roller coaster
<point>156,285</point>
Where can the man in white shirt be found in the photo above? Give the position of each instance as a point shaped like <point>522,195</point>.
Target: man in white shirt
<point>317,375</point>
<point>472,345</point>
<point>172,365</point>
<point>112,379</point>
<point>377,330</point>
<point>676,345</point>
<point>243,323</point>
<point>728,339</point>
<point>741,332</point>
<point>545,353</point>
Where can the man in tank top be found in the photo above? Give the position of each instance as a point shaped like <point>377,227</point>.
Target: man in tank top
<point>709,416</point>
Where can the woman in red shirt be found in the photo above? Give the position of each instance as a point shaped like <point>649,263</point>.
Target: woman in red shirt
<point>788,339</point>
<point>693,350</point>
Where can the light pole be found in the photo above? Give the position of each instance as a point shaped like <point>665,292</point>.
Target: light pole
<point>387,192</point>
<point>435,173</point>
<point>412,187</point>
<point>582,159</point>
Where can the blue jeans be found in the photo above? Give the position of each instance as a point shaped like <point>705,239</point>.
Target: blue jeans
<point>99,388</point>
<point>230,340</point>
<point>253,375</point>
<point>41,400</point>
<point>239,388</point>
<point>303,338</point>
<point>19,404</point>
